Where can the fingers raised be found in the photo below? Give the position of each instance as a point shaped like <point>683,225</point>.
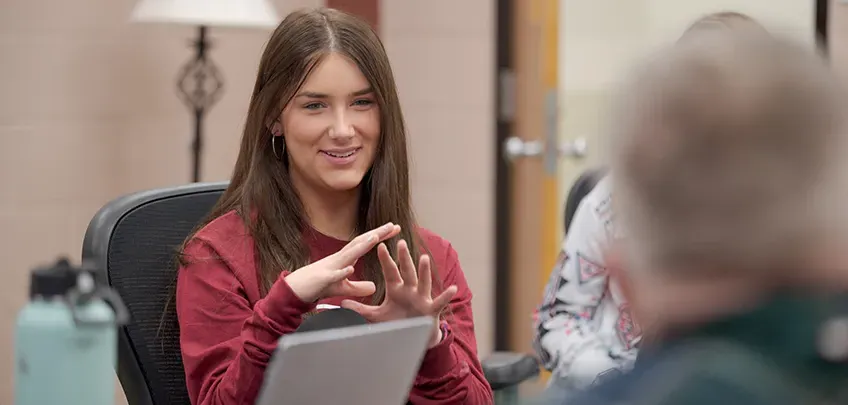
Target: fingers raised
<point>357,288</point>
<point>425,281</point>
<point>339,275</point>
<point>442,301</point>
<point>407,266</point>
<point>390,269</point>
<point>362,244</point>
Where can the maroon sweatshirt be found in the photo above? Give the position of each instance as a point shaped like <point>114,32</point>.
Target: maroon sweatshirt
<point>228,331</point>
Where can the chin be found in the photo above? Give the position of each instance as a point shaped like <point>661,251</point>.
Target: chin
<point>345,182</point>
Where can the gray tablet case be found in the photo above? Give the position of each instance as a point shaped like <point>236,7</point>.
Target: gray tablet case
<point>357,365</point>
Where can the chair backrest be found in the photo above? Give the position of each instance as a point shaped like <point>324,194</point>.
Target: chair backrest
<point>133,241</point>
<point>579,190</point>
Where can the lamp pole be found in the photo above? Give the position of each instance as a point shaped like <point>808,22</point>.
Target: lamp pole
<point>199,85</point>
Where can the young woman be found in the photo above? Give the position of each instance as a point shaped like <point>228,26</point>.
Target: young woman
<point>318,211</point>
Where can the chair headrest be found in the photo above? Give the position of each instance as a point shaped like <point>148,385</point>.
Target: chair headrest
<point>581,188</point>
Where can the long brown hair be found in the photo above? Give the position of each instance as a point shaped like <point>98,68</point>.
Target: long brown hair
<point>261,189</point>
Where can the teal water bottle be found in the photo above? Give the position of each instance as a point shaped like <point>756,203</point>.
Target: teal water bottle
<point>66,339</point>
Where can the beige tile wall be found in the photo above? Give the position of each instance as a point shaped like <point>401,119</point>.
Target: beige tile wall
<point>443,55</point>
<point>838,37</point>
<point>88,112</point>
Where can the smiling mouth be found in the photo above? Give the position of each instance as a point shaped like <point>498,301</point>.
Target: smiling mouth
<point>341,155</point>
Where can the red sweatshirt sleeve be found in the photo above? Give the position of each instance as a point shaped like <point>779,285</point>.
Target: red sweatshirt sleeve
<point>451,372</point>
<point>225,343</point>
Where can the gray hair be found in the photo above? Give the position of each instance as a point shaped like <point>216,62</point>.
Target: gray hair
<point>724,20</point>
<point>726,157</point>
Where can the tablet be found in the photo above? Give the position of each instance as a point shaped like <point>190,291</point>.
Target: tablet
<point>372,364</point>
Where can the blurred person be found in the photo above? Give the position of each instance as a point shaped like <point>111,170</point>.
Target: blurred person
<point>723,22</point>
<point>730,179</point>
<point>584,328</point>
<point>318,211</point>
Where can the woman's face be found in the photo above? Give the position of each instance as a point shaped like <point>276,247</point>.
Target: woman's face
<point>331,127</point>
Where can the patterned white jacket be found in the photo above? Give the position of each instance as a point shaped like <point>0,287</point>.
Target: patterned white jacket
<point>584,329</point>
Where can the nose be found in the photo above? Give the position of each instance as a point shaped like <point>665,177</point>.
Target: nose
<point>342,127</point>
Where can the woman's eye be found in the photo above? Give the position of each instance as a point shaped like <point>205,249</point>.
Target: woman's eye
<point>313,106</point>
<point>363,102</point>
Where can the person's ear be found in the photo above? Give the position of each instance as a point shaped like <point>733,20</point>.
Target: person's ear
<point>276,127</point>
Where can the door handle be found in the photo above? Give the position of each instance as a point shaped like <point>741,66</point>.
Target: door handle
<point>574,149</point>
<point>515,147</point>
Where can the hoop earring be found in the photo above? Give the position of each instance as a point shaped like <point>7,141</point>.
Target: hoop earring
<point>282,153</point>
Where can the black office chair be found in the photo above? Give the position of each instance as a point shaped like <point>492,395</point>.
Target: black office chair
<point>133,240</point>
<point>579,190</point>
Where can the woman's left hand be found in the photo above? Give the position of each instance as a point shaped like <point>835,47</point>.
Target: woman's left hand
<point>408,292</point>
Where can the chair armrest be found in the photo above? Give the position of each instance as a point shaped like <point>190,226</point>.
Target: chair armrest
<point>506,369</point>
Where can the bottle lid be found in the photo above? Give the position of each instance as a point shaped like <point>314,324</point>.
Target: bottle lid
<point>55,280</point>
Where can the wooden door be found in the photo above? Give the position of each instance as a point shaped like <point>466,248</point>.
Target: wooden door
<point>529,221</point>
<point>533,184</point>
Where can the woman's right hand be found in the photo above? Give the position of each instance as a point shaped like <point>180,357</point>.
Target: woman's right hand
<point>328,277</point>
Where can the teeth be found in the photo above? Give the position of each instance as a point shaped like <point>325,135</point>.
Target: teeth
<point>341,156</point>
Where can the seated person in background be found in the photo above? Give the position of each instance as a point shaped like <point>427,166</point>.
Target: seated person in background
<point>584,328</point>
<point>318,210</point>
<point>729,166</point>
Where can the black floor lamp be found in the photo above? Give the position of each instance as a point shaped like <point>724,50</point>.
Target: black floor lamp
<point>200,83</point>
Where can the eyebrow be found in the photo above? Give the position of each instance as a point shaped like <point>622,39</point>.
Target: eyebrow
<point>312,94</point>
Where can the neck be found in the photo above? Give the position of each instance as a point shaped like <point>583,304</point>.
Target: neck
<point>686,303</point>
<point>332,213</point>
<point>693,302</point>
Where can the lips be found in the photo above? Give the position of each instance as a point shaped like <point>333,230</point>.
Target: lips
<point>340,153</point>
